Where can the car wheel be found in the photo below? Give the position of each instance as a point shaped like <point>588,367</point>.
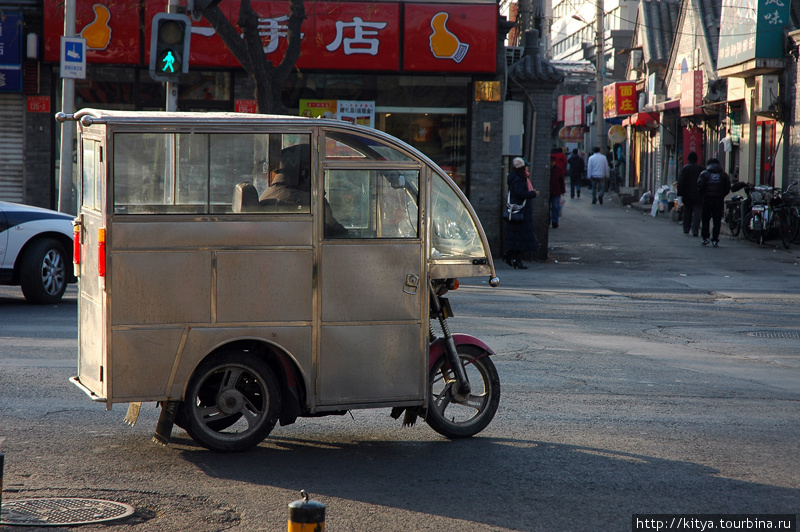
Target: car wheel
<point>43,273</point>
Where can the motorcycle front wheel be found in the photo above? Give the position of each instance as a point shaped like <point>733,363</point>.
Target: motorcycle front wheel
<point>461,417</point>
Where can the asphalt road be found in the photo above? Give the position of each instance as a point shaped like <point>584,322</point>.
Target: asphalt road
<point>641,373</point>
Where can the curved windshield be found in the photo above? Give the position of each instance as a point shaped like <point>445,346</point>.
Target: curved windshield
<point>454,233</point>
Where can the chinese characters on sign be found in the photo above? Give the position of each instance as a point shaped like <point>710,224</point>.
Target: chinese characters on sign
<point>752,29</point>
<point>619,99</point>
<point>335,35</point>
<point>692,93</point>
<point>692,142</point>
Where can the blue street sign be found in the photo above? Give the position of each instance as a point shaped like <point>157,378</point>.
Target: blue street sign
<point>73,57</point>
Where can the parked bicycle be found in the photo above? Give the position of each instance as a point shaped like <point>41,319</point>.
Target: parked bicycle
<point>791,199</point>
<point>767,213</point>
<point>735,206</point>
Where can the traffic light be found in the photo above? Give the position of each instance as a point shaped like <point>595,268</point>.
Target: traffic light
<point>169,46</point>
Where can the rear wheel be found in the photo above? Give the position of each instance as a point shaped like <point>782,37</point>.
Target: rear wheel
<point>747,228</point>
<point>43,273</point>
<point>461,417</point>
<point>232,402</point>
<point>784,229</point>
<point>735,220</point>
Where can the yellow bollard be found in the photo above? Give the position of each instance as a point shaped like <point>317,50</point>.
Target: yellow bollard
<point>306,515</point>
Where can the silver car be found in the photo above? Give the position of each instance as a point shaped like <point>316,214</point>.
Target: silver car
<point>34,245</point>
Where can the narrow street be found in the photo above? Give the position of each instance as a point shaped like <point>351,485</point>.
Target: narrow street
<point>641,373</point>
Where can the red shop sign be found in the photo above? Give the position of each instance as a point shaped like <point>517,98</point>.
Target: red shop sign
<point>692,93</point>
<point>450,38</point>
<point>356,36</point>
<point>619,99</point>
<point>575,111</point>
<point>692,142</point>
<point>111,30</point>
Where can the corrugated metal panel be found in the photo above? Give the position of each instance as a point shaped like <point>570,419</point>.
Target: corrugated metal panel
<point>11,147</point>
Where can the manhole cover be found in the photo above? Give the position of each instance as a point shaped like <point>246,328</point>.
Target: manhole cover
<point>792,335</point>
<point>61,512</point>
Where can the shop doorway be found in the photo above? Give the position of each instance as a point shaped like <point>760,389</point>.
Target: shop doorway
<point>765,152</point>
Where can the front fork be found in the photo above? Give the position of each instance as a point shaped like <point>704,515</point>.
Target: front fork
<point>440,308</point>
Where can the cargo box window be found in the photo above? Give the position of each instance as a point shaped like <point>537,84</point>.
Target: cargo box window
<point>92,176</point>
<point>211,173</point>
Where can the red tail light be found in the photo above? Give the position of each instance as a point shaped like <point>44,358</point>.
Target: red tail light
<point>76,247</point>
<point>101,252</point>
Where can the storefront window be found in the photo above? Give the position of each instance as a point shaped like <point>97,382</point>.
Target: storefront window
<point>428,112</point>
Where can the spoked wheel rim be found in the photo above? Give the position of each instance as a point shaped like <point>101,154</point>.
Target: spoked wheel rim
<point>456,416</point>
<point>53,272</point>
<point>449,404</point>
<point>232,403</point>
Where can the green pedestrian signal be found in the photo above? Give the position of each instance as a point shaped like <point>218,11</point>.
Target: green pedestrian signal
<point>169,46</point>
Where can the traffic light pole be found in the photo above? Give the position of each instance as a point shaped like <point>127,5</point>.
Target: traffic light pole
<point>172,87</point>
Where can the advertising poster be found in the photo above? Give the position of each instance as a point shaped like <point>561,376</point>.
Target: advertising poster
<point>357,112</point>
<point>318,108</point>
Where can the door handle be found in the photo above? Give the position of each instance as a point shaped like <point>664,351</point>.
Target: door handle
<point>412,284</point>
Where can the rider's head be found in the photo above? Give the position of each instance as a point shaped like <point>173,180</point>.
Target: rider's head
<point>692,157</point>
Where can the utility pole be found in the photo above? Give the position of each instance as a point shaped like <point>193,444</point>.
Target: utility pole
<point>67,128</point>
<point>600,59</point>
<point>171,104</point>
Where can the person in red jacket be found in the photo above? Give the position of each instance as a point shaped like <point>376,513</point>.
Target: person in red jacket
<point>557,189</point>
<point>561,158</point>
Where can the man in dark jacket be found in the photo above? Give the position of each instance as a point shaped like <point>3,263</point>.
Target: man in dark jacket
<point>690,195</point>
<point>713,185</point>
<point>575,171</point>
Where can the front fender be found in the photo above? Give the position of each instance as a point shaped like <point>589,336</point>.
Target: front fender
<point>437,347</point>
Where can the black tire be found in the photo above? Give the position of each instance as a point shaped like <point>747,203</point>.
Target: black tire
<point>454,418</point>
<point>784,229</point>
<point>747,228</point>
<point>735,221</point>
<point>794,224</point>
<point>232,402</point>
<point>43,272</point>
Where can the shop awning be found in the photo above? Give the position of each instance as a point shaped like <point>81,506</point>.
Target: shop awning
<point>642,120</point>
<point>666,106</point>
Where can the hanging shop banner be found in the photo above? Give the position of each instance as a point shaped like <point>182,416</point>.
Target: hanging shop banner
<point>11,52</point>
<point>575,111</point>
<point>450,38</point>
<point>356,112</point>
<point>692,93</point>
<point>619,99</point>
<point>562,102</point>
<point>750,31</point>
<point>565,133</point>
<point>110,27</point>
<point>692,142</point>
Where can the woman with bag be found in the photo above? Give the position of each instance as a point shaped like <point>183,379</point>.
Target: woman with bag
<point>519,235</point>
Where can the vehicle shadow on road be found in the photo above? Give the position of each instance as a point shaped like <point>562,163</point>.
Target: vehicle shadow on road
<point>478,480</point>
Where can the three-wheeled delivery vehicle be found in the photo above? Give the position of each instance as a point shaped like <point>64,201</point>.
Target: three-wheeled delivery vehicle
<point>242,270</point>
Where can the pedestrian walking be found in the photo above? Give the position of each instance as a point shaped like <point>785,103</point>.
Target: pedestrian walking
<point>598,171</point>
<point>561,158</point>
<point>575,169</point>
<point>519,236</point>
<point>690,195</point>
<point>557,189</point>
<point>714,185</point>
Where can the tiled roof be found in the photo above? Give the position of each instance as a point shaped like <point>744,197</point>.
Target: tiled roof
<point>659,20</point>
<point>533,66</point>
